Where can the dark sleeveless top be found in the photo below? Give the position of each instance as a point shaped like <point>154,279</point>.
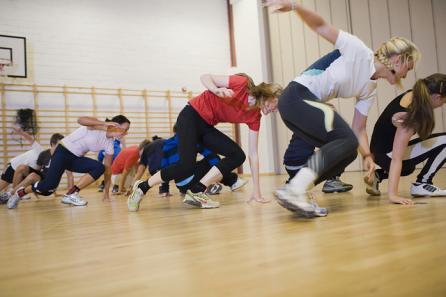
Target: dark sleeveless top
<point>384,131</point>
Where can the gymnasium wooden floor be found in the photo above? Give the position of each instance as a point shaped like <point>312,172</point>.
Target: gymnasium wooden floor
<point>365,247</point>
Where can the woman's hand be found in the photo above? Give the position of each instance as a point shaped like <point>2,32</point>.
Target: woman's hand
<point>106,196</point>
<point>258,198</point>
<point>398,118</point>
<point>369,166</point>
<point>280,5</point>
<point>223,92</point>
<point>400,200</point>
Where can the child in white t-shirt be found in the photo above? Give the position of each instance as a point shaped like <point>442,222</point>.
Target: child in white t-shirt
<point>20,166</point>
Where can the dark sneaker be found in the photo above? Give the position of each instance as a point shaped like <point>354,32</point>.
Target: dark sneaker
<point>214,189</point>
<point>4,197</point>
<point>334,185</point>
<point>115,189</point>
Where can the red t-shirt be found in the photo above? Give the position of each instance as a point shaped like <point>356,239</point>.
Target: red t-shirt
<point>126,159</point>
<point>214,109</point>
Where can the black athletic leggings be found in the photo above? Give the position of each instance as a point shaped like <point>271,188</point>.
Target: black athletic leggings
<point>318,124</point>
<point>62,160</point>
<point>192,129</point>
<point>432,150</point>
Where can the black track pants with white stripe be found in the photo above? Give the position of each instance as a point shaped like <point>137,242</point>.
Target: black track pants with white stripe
<point>432,150</point>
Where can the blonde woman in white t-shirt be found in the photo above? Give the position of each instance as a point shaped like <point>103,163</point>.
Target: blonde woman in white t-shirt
<point>351,70</point>
<point>93,135</point>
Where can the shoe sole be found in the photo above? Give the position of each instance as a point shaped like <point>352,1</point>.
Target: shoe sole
<point>193,202</point>
<point>337,190</point>
<point>426,195</point>
<point>293,208</point>
<point>74,204</point>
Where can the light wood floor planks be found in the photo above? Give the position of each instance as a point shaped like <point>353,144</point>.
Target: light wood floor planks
<point>365,247</point>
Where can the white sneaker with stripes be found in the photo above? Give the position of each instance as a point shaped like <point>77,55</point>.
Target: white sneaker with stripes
<point>423,189</point>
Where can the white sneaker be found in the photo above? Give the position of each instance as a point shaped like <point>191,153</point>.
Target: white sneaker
<point>423,189</point>
<point>238,184</point>
<point>298,203</point>
<point>13,201</point>
<point>73,199</point>
<point>134,199</point>
<point>26,197</point>
<point>200,200</point>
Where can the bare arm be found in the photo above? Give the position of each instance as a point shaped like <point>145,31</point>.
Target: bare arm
<point>253,144</point>
<point>312,19</point>
<point>108,159</point>
<point>359,128</point>
<point>138,175</point>
<point>122,180</point>
<point>23,134</point>
<point>94,123</point>
<point>400,142</point>
<point>139,172</point>
<point>217,84</point>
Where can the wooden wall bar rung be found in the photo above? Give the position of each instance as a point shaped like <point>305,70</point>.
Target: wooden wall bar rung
<point>152,112</point>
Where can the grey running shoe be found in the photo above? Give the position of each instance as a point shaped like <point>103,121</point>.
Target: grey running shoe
<point>4,197</point>
<point>200,200</point>
<point>372,186</point>
<point>214,189</point>
<point>13,202</point>
<point>334,185</point>
<point>298,204</point>
<point>134,199</point>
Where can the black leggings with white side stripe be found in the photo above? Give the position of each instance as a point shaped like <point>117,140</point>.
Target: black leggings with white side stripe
<point>432,150</point>
<point>318,124</point>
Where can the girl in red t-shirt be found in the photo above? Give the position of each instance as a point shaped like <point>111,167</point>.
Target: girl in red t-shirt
<point>230,99</point>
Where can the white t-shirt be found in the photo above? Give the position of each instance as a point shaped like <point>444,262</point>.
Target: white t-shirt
<point>345,73</point>
<point>28,158</point>
<point>84,140</point>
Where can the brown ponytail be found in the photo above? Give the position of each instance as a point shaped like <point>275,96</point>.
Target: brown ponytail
<point>420,114</point>
<point>263,91</point>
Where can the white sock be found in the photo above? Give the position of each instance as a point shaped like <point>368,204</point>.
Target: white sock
<point>113,178</point>
<point>303,181</point>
